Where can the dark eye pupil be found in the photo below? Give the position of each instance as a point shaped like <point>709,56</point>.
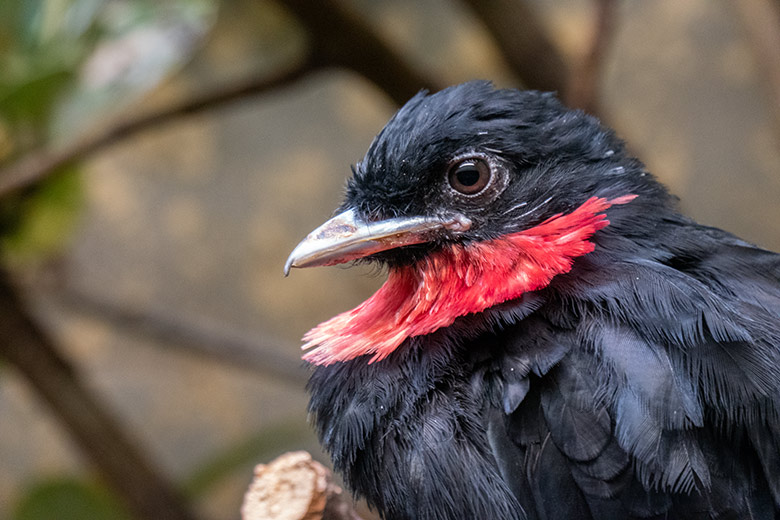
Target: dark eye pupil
<point>468,175</point>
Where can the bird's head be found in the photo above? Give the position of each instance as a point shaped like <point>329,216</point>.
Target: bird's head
<point>471,197</point>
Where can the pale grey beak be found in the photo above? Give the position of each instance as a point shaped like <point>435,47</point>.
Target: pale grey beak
<point>346,237</point>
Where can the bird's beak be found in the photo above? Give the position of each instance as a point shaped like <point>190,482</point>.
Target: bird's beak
<point>346,237</point>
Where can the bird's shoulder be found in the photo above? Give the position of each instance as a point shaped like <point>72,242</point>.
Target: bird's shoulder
<point>645,382</point>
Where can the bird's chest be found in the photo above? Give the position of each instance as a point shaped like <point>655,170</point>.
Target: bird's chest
<point>412,429</point>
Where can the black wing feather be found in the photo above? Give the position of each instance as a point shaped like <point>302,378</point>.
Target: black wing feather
<point>677,365</point>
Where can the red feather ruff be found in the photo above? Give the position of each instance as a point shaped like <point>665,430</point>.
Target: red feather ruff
<point>456,281</point>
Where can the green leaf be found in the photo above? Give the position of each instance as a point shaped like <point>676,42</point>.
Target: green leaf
<point>68,499</point>
<point>37,224</point>
<point>33,98</point>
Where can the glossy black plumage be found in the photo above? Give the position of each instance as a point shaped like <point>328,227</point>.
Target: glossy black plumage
<point>645,383</point>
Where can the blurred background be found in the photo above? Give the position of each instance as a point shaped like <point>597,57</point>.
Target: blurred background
<point>159,160</point>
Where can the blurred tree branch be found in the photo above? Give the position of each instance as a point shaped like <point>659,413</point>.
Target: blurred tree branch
<point>132,477</point>
<point>535,59</point>
<point>38,164</point>
<point>583,84</point>
<point>208,340</point>
<point>524,42</point>
<point>761,20</point>
<point>341,37</point>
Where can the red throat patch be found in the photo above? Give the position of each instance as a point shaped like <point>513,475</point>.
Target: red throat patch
<point>456,281</point>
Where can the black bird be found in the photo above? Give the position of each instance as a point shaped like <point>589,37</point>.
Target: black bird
<point>554,340</point>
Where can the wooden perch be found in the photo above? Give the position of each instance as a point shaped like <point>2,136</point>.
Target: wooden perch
<point>295,487</point>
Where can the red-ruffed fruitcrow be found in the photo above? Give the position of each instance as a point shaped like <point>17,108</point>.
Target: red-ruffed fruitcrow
<point>554,339</point>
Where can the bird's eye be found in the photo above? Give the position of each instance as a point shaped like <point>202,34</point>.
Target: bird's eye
<point>470,176</point>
